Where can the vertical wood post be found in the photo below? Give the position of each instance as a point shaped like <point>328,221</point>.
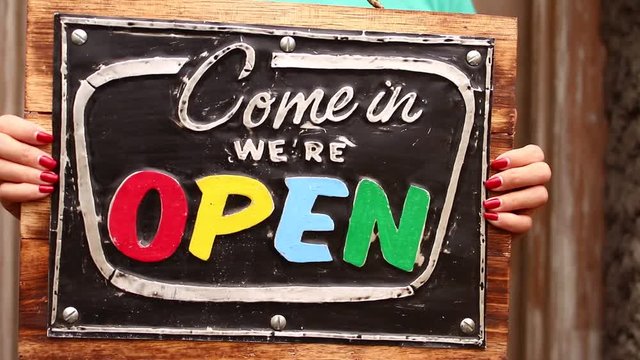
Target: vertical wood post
<point>562,257</point>
<point>12,29</point>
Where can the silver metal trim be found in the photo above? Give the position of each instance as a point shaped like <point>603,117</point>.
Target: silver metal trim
<point>266,333</point>
<point>317,34</point>
<point>64,162</point>
<point>256,30</point>
<point>483,194</point>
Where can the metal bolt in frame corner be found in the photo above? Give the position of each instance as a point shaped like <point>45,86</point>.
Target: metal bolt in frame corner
<point>474,58</point>
<point>70,315</point>
<point>79,37</point>
<point>468,326</point>
<point>287,44</point>
<point>278,322</point>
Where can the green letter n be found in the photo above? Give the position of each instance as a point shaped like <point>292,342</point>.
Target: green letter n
<point>400,244</point>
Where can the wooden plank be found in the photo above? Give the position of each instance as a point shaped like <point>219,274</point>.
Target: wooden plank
<point>34,252</point>
<point>35,224</point>
<point>562,268</point>
<point>35,345</point>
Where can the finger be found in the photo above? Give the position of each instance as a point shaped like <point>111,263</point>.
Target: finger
<point>525,199</point>
<point>513,223</point>
<point>19,193</point>
<point>15,151</point>
<point>518,157</point>
<point>16,173</point>
<point>530,175</point>
<point>24,131</point>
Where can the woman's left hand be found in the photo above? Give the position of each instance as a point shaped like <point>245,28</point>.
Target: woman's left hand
<point>519,188</point>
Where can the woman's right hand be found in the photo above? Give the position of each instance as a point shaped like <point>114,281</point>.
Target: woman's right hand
<point>27,173</point>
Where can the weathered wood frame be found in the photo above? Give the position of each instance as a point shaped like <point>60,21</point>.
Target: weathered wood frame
<point>38,104</point>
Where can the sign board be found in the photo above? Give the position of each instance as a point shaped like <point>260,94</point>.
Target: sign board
<point>265,183</point>
<point>79,278</point>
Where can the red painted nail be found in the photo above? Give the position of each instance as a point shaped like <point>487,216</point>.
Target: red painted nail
<point>44,137</point>
<point>494,182</point>
<point>492,203</point>
<point>49,177</point>
<point>499,164</point>
<point>491,216</point>
<point>46,189</point>
<point>47,162</point>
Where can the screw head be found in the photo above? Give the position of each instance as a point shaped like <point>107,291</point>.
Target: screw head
<point>278,322</point>
<point>70,315</point>
<point>79,37</point>
<point>474,58</point>
<point>468,326</point>
<point>287,44</point>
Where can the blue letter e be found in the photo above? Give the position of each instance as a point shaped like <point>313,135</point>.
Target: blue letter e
<point>297,218</point>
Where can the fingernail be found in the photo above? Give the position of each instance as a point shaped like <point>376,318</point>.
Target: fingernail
<point>491,216</point>
<point>49,177</point>
<point>44,137</point>
<point>493,182</point>
<point>499,164</point>
<point>491,203</point>
<point>47,162</point>
<point>46,189</point>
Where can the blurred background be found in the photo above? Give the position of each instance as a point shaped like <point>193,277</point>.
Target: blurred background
<point>12,31</point>
<point>574,296</point>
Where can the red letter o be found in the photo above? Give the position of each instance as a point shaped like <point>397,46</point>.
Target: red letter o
<point>123,215</point>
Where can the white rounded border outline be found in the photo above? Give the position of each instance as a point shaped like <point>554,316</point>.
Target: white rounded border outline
<point>293,294</point>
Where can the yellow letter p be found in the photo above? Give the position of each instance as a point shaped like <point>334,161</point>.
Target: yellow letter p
<point>211,221</point>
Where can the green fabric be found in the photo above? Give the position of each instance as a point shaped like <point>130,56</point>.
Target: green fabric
<point>454,6</point>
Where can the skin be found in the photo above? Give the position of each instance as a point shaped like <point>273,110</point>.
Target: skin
<point>20,170</point>
<point>522,189</point>
<point>522,176</point>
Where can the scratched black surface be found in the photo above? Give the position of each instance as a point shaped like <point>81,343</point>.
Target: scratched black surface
<point>131,125</point>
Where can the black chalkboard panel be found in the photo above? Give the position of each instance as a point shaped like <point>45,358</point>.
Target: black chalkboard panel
<point>268,184</point>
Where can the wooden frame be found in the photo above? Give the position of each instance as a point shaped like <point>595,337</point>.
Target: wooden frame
<point>34,244</point>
